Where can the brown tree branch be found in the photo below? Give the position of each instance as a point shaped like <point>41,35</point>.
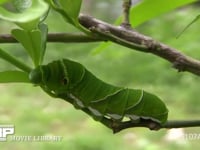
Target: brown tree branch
<point>129,38</point>
<point>140,42</point>
<point>56,37</point>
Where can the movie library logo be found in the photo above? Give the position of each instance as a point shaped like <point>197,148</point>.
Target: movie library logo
<point>7,134</point>
<point>6,130</point>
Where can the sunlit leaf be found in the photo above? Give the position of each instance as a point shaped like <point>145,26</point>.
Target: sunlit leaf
<point>14,76</point>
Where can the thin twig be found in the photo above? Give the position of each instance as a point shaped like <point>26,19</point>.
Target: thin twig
<point>181,124</point>
<point>7,38</point>
<point>71,37</point>
<point>156,126</point>
<point>56,37</point>
<point>126,13</point>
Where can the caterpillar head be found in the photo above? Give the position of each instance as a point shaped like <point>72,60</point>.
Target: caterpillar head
<point>57,77</point>
<point>52,78</point>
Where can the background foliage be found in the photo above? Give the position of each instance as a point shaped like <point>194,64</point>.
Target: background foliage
<point>35,113</point>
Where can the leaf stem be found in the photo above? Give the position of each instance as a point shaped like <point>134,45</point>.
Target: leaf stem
<point>78,37</point>
<point>9,58</point>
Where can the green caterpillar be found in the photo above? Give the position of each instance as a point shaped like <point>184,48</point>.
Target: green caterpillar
<point>70,81</point>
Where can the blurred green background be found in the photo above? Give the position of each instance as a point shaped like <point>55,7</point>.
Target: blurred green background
<point>33,112</point>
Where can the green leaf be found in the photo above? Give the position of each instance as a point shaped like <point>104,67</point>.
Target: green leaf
<point>149,9</point>
<point>27,19</point>
<point>71,7</point>
<point>33,41</point>
<point>14,76</point>
<point>56,6</point>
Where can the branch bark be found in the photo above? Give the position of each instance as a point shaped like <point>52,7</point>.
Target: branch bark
<point>127,37</point>
<point>140,42</point>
